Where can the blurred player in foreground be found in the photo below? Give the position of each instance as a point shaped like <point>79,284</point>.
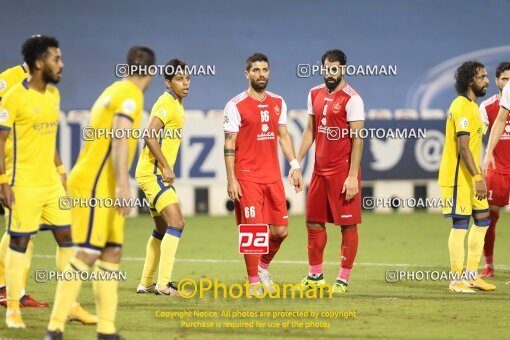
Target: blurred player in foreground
<point>461,180</point>
<point>155,176</point>
<point>333,197</point>
<point>30,184</point>
<point>497,178</point>
<point>102,172</point>
<point>252,121</point>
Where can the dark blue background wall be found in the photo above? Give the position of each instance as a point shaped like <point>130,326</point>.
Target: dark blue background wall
<point>413,34</point>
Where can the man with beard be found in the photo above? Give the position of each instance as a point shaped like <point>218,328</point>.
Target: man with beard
<point>251,121</point>
<point>462,185</point>
<point>333,197</point>
<point>30,183</point>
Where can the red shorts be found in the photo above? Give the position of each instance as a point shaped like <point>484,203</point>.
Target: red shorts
<point>262,203</point>
<point>326,203</point>
<point>498,188</point>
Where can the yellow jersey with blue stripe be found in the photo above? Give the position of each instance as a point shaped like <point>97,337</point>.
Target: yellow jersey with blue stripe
<point>464,118</point>
<point>171,112</point>
<point>94,169</point>
<point>10,77</point>
<point>32,118</point>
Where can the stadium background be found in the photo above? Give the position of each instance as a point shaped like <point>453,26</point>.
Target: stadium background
<point>94,37</point>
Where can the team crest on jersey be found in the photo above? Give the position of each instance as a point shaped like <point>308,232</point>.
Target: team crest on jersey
<point>161,112</point>
<point>265,127</point>
<point>277,110</point>
<point>4,115</point>
<point>3,85</point>
<point>336,108</point>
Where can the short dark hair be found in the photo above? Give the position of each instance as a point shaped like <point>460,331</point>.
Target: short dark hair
<point>257,56</point>
<point>334,55</point>
<point>172,67</point>
<point>36,47</point>
<point>465,74</point>
<point>141,56</point>
<point>502,67</point>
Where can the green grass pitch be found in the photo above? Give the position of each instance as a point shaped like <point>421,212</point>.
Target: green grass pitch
<point>417,309</point>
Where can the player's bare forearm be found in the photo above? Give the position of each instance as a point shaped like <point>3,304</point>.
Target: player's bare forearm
<point>153,126</point>
<point>229,153</point>
<point>286,143</point>
<point>307,139</point>
<point>466,155</point>
<point>356,147</point>
<point>120,152</point>
<point>497,129</point>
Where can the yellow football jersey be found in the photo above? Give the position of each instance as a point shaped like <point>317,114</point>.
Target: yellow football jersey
<point>171,112</point>
<point>32,117</point>
<point>10,77</point>
<point>94,169</point>
<point>463,119</point>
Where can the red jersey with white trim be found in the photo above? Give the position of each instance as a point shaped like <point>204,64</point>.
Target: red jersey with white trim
<point>332,113</point>
<point>489,110</point>
<point>256,125</point>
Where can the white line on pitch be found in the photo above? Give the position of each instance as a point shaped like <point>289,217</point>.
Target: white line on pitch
<point>367,264</point>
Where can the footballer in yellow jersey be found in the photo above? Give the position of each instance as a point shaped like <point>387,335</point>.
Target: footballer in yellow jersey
<point>102,172</point>
<point>30,185</point>
<point>462,186</point>
<point>154,173</point>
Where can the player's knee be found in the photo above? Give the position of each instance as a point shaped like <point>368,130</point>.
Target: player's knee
<point>460,223</point>
<point>280,233</point>
<point>482,221</point>
<point>314,225</point>
<point>178,223</point>
<point>19,243</point>
<point>111,254</point>
<point>348,227</point>
<point>62,236</point>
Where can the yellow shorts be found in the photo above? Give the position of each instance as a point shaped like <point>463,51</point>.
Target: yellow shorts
<point>37,208</point>
<point>159,194</point>
<point>95,226</point>
<point>460,201</point>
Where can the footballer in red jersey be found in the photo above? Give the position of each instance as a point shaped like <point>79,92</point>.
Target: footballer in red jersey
<point>253,120</point>
<point>335,117</point>
<point>498,177</point>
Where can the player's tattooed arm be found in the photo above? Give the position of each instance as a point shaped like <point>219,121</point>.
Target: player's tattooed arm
<point>233,186</point>
<point>351,185</point>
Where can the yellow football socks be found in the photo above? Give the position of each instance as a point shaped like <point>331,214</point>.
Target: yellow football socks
<point>66,294</point>
<point>167,258</point>
<point>106,296</point>
<point>476,239</point>
<point>456,248</point>
<point>15,264</point>
<point>152,256</point>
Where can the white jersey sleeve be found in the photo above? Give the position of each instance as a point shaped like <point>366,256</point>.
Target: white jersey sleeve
<point>483,113</point>
<point>355,109</point>
<point>505,97</point>
<point>283,114</point>
<point>310,104</point>
<point>231,118</point>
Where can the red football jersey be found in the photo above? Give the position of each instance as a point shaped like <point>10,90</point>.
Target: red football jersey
<point>256,124</point>
<point>332,113</point>
<point>489,110</point>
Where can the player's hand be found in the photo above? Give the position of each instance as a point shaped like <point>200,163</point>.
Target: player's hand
<point>168,175</point>
<point>350,188</point>
<point>290,176</point>
<point>480,189</point>
<point>297,180</point>
<point>123,195</point>
<point>63,178</point>
<point>7,195</point>
<point>234,189</point>
<point>488,161</point>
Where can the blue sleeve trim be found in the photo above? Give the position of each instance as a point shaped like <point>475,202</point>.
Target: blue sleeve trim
<point>125,116</point>
<point>462,133</point>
